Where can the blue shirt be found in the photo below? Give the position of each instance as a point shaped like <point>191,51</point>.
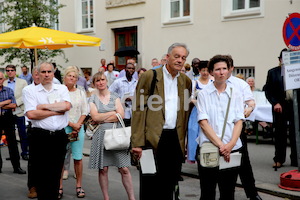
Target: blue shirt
<point>7,94</point>
<point>11,84</point>
<point>27,77</point>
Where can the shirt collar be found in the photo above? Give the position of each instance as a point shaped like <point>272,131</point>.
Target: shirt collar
<point>9,81</point>
<point>230,79</point>
<point>40,87</point>
<point>4,88</point>
<point>168,74</point>
<point>125,79</point>
<point>211,88</point>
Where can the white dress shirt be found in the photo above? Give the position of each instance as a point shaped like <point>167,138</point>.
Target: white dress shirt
<point>212,106</point>
<point>171,99</point>
<point>37,95</point>
<point>242,87</point>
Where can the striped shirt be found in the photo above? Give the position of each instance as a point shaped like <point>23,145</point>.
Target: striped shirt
<point>7,94</point>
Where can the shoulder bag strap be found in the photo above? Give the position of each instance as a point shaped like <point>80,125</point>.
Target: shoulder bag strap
<point>153,82</point>
<point>152,87</point>
<point>226,116</point>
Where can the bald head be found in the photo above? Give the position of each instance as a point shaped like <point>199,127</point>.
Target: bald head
<point>1,79</point>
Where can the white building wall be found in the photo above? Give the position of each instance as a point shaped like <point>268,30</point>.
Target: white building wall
<point>251,42</point>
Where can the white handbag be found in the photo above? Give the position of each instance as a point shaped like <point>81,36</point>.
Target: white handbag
<point>117,138</point>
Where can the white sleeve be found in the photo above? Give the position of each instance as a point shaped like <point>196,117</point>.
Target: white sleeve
<point>30,102</point>
<point>201,106</point>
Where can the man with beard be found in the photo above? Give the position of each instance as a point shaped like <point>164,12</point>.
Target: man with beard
<point>195,68</point>
<point>124,87</point>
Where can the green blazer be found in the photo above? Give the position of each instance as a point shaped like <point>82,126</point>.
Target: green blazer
<point>147,124</point>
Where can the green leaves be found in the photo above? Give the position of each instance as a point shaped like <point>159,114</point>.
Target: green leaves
<point>22,14</point>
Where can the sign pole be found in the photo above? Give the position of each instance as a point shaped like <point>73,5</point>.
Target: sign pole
<point>291,35</point>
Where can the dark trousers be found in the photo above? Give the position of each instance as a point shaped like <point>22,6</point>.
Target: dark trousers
<point>245,172</point>
<point>20,121</point>
<point>30,179</point>
<point>210,177</point>
<point>282,128</point>
<point>46,154</point>
<point>7,124</point>
<point>168,159</point>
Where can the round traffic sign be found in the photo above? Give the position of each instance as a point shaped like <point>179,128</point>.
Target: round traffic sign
<point>291,32</point>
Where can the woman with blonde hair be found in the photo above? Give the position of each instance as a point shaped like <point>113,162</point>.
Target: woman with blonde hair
<point>75,127</point>
<point>104,106</point>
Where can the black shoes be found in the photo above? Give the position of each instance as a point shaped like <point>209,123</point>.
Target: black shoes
<point>25,157</point>
<point>19,171</point>
<point>257,197</point>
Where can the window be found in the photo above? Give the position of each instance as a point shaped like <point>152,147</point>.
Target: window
<point>245,4</point>
<point>176,11</point>
<point>85,15</point>
<point>246,71</point>
<point>241,9</point>
<point>54,19</point>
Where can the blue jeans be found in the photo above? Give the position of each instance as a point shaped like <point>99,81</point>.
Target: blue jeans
<point>20,121</point>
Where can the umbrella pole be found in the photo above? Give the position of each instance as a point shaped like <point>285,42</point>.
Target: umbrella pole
<point>35,57</point>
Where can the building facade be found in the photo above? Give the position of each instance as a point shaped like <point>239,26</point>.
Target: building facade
<point>249,30</point>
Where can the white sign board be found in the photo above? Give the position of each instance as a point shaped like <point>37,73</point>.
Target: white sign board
<point>292,76</point>
<point>290,57</point>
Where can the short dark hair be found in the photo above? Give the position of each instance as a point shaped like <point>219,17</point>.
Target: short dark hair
<point>24,66</point>
<point>141,69</point>
<point>203,64</point>
<point>54,65</point>
<point>111,65</point>
<point>216,59</point>
<point>280,55</point>
<point>230,60</point>
<point>11,66</point>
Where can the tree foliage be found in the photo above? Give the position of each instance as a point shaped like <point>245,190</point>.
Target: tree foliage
<point>25,13</point>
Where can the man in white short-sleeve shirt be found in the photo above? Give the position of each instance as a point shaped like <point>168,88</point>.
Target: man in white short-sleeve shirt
<point>246,172</point>
<point>46,106</point>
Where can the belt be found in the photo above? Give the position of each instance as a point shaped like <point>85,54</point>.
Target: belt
<point>169,130</point>
<point>47,132</point>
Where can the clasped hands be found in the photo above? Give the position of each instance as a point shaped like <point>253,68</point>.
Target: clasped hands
<point>225,150</point>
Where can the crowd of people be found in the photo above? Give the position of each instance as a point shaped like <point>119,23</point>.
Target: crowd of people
<point>172,109</point>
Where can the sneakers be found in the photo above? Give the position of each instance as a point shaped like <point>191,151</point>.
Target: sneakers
<point>32,193</point>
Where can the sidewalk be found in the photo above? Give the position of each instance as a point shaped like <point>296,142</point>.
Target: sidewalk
<point>261,156</point>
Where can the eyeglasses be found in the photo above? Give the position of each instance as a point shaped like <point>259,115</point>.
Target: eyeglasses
<point>9,70</point>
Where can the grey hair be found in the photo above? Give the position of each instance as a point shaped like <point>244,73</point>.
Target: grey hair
<point>250,78</point>
<point>34,68</point>
<point>178,45</point>
<point>44,63</point>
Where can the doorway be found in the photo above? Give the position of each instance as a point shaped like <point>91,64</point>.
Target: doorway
<point>124,37</point>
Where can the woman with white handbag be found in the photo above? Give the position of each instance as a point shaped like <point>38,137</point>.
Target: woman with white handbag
<point>104,106</point>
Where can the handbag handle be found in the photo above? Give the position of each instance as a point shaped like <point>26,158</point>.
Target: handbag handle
<point>120,120</point>
<point>226,115</point>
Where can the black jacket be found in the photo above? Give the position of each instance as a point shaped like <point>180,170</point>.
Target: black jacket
<point>274,87</point>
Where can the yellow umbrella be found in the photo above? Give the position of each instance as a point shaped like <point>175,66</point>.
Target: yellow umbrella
<point>44,38</point>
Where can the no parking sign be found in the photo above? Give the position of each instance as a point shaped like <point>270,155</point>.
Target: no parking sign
<point>291,32</point>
